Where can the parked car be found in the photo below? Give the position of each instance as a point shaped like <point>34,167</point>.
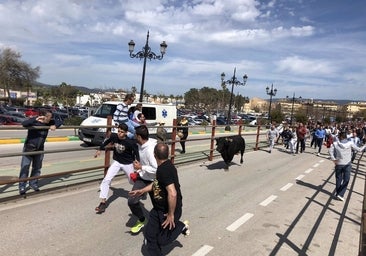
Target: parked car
<point>253,123</point>
<point>10,120</point>
<point>30,112</point>
<point>220,120</point>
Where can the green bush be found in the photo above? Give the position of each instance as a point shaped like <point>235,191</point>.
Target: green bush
<point>75,120</point>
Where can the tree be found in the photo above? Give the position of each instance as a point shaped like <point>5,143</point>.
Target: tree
<point>133,90</point>
<point>15,73</point>
<point>65,93</point>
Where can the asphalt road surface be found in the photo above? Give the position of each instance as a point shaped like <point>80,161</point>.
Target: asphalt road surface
<point>272,204</point>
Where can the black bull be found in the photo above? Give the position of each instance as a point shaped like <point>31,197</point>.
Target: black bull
<point>229,146</point>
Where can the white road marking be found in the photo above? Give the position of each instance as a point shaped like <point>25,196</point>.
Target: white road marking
<point>316,165</point>
<point>268,200</point>
<point>284,188</point>
<point>203,250</point>
<point>240,222</point>
<point>299,177</point>
<point>309,170</point>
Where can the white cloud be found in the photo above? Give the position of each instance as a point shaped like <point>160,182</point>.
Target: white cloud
<point>302,66</point>
<point>270,41</point>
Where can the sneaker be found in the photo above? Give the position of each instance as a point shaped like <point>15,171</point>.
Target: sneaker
<point>22,191</point>
<point>138,226</point>
<point>186,231</point>
<point>318,154</point>
<point>340,198</point>
<point>35,188</point>
<point>101,208</point>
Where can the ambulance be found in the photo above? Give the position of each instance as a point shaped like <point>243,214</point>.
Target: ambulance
<point>92,130</point>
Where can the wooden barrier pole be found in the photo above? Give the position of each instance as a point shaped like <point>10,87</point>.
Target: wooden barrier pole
<point>257,139</point>
<point>107,154</point>
<point>212,140</point>
<point>174,136</point>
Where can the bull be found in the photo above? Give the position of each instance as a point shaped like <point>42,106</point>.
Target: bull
<point>230,146</point>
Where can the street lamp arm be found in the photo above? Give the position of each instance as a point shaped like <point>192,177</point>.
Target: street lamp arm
<point>146,54</point>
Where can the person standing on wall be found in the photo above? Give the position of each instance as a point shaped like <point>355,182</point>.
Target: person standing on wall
<point>183,133</point>
<point>34,142</point>
<point>120,115</point>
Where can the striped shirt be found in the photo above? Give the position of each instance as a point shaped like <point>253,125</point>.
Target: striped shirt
<point>121,113</point>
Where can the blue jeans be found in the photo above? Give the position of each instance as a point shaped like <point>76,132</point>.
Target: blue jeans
<point>342,174</point>
<point>27,160</point>
<point>319,143</point>
<point>131,128</point>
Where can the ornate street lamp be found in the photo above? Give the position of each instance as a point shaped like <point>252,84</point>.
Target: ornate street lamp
<point>233,81</point>
<point>292,108</point>
<point>146,53</point>
<point>271,93</point>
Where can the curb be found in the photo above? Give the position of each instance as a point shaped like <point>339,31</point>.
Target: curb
<point>49,139</point>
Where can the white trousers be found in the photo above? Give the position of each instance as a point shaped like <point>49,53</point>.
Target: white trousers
<point>293,145</point>
<point>111,173</point>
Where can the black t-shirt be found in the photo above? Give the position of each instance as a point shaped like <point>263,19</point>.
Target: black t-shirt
<point>125,151</point>
<point>166,174</point>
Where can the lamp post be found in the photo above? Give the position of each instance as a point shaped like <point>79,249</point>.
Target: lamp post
<point>271,92</point>
<point>233,81</point>
<point>292,107</point>
<point>145,54</point>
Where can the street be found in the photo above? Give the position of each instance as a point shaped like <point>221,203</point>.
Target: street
<point>272,204</point>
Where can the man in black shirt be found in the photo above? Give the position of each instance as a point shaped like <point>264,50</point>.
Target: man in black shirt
<point>164,225</point>
<point>125,152</point>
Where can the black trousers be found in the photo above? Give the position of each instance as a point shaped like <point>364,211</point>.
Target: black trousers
<point>301,143</point>
<point>134,202</point>
<point>156,236</point>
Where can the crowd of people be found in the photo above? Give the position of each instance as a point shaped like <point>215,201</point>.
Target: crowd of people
<point>317,136</point>
<point>342,141</point>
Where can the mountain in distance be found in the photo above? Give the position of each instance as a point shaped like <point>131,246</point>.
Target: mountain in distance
<point>83,89</point>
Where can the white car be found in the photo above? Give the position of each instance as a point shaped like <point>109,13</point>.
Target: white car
<point>254,122</point>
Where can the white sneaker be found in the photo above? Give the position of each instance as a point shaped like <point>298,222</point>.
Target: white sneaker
<point>340,198</point>
<point>186,231</point>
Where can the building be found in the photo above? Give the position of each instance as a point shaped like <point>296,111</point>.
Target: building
<point>28,97</point>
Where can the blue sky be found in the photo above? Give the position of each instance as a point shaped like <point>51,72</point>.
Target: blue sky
<point>313,48</point>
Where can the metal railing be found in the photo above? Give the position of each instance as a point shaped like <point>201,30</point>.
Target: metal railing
<point>205,153</point>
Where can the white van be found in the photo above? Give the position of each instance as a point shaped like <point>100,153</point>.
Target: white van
<point>91,134</point>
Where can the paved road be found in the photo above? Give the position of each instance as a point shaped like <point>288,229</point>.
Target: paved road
<point>273,204</point>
